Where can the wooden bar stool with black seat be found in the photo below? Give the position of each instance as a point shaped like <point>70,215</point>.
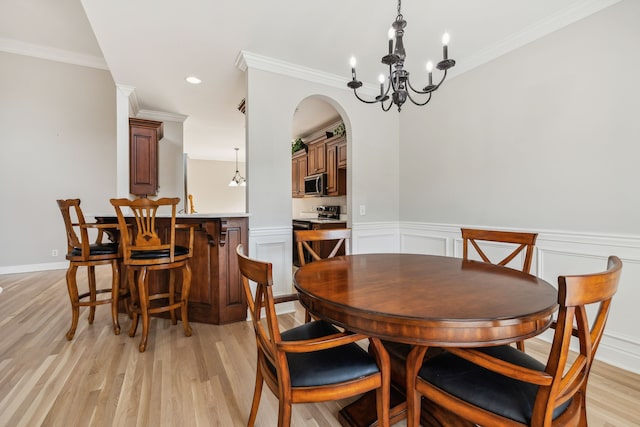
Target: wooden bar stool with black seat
<point>82,252</point>
<point>144,251</point>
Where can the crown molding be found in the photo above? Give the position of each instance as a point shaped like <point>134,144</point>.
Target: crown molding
<point>52,54</point>
<point>247,59</point>
<point>161,116</point>
<point>537,30</point>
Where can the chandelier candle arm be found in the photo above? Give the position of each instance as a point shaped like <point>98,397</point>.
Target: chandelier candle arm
<point>398,77</point>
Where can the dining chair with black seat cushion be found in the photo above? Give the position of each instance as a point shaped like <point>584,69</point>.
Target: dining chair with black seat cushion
<point>321,244</point>
<point>313,362</point>
<point>84,251</point>
<point>516,242</point>
<point>145,250</point>
<point>503,386</point>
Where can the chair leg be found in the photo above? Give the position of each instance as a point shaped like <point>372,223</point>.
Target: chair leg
<point>383,399</point>
<point>115,295</point>
<point>172,295</point>
<point>413,364</point>
<point>91,276</point>
<point>257,392</point>
<point>143,293</point>
<point>72,287</point>
<point>184,296</point>
<point>520,345</point>
<point>284,413</point>
<point>135,304</point>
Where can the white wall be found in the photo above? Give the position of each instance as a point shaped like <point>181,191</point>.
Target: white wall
<point>544,137</point>
<point>58,131</point>
<point>372,153</point>
<point>208,182</point>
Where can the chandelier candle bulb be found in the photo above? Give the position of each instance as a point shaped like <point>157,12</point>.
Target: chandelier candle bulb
<point>429,70</point>
<point>391,35</point>
<point>381,80</point>
<point>445,46</point>
<point>352,61</point>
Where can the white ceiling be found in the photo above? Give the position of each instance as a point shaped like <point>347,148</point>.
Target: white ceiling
<point>153,45</point>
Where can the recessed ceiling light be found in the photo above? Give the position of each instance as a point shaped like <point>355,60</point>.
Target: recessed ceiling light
<point>193,80</point>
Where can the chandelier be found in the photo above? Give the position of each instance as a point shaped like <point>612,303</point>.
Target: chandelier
<point>237,180</point>
<point>398,78</point>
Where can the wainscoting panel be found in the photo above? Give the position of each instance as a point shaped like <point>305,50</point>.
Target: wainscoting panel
<point>379,237</point>
<point>274,245</point>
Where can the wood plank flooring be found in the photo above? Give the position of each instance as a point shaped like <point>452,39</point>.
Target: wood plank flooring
<point>100,379</point>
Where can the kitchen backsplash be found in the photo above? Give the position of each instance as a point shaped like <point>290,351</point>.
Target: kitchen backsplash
<point>306,207</point>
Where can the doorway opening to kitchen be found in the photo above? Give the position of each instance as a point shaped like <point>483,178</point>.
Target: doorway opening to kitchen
<point>319,168</point>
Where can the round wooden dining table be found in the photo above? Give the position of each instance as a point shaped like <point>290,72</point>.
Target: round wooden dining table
<point>426,300</point>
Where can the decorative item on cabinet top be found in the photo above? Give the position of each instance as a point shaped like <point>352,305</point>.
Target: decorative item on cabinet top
<point>297,145</point>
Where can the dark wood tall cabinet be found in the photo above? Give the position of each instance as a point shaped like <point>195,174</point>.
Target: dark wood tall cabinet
<point>143,156</point>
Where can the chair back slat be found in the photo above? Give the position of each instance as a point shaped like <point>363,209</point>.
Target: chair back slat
<point>525,242</point>
<point>575,294</point>
<point>260,301</point>
<point>306,238</point>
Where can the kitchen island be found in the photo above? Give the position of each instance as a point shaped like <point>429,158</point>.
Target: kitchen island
<point>216,295</point>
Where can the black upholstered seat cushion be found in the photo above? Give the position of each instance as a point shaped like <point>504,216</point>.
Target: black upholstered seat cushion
<point>179,251</point>
<point>486,389</point>
<point>103,249</point>
<point>329,366</point>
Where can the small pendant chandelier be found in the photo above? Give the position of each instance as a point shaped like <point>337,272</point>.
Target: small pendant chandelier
<point>398,78</point>
<point>237,180</point>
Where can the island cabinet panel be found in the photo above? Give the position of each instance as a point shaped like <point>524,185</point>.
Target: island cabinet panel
<point>216,295</point>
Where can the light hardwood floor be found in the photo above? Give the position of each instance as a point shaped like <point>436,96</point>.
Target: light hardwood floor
<point>100,379</point>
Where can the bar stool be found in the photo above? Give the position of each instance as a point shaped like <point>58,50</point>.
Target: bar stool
<point>144,250</point>
<point>82,253</point>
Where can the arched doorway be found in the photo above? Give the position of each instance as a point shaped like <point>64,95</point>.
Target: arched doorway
<point>319,154</point>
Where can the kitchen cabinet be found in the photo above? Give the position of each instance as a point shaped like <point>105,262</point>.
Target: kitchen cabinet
<point>336,166</point>
<point>298,172</point>
<point>143,156</point>
<point>317,156</point>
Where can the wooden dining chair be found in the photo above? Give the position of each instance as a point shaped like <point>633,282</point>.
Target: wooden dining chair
<point>503,386</point>
<point>522,242</point>
<point>84,251</point>
<point>314,362</point>
<point>320,244</point>
<point>144,250</point>
<point>516,242</point>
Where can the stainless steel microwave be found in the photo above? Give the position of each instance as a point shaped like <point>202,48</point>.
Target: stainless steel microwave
<point>315,185</point>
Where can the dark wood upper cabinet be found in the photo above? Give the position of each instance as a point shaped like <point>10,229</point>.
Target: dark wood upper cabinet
<point>317,156</point>
<point>143,156</point>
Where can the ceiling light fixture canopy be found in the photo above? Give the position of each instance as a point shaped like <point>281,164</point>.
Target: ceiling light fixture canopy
<point>237,180</point>
<point>398,78</point>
